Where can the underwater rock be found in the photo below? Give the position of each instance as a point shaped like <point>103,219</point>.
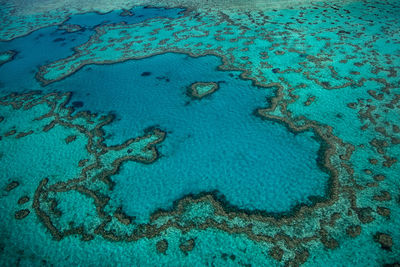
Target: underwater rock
<point>187,246</point>
<point>19,215</point>
<point>384,240</point>
<point>353,230</point>
<point>23,200</point>
<point>12,186</point>
<point>385,212</point>
<point>379,177</point>
<point>383,196</point>
<point>70,139</point>
<point>162,246</point>
<point>199,90</point>
<point>122,217</point>
<point>364,215</point>
<point>146,73</point>
<point>276,253</point>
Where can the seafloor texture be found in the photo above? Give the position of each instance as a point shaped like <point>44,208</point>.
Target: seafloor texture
<point>189,135</point>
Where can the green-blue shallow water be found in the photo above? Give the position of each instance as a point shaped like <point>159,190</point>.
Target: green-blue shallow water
<point>108,156</point>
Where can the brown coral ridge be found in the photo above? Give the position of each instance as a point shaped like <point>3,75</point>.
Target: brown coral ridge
<point>151,231</point>
<point>194,93</point>
<point>324,133</point>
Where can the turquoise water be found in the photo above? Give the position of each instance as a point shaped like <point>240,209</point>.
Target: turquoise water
<point>205,139</point>
<point>107,159</point>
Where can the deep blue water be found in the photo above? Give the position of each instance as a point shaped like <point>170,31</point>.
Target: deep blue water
<point>139,14</point>
<point>35,50</point>
<point>49,44</point>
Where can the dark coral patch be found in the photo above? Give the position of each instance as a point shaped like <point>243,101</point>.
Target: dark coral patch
<point>126,13</point>
<point>23,200</point>
<point>19,215</point>
<point>58,40</point>
<point>162,246</point>
<point>385,212</point>
<point>276,253</point>
<point>122,217</point>
<point>364,215</point>
<point>12,186</point>
<point>77,104</point>
<point>145,73</point>
<point>353,230</point>
<point>70,139</point>
<point>379,177</point>
<point>199,90</point>
<point>384,240</point>
<point>187,246</point>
